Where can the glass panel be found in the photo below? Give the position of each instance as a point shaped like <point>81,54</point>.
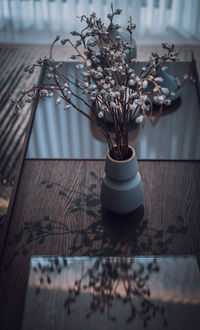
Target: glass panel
<point>68,135</point>
<point>112,293</point>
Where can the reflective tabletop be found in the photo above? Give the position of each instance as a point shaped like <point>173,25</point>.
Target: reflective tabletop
<point>60,134</point>
<point>112,293</point>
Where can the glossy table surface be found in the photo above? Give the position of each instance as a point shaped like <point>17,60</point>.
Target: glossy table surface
<point>112,293</point>
<point>57,134</point>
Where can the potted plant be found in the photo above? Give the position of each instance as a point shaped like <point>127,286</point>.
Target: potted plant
<point>107,77</point>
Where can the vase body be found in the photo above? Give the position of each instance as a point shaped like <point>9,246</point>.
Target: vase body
<point>121,190</point>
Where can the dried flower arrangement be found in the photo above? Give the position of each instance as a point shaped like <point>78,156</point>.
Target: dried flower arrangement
<point>108,78</point>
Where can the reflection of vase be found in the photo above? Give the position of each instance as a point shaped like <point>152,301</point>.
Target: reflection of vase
<point>125,37</point>
<point>169,82</point>
<point>122,190</point>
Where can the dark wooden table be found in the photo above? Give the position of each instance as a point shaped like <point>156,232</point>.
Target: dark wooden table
<point>56,210</point>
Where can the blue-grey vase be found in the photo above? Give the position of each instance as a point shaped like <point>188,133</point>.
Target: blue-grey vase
<point>121,190</point>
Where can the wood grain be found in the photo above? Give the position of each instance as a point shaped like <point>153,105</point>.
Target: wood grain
<point>57,212</point>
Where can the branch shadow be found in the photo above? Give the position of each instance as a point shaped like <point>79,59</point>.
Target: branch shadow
<point>105,234</point>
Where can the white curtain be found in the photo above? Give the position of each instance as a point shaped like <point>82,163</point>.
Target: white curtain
<point>22,18</point>
<point>185,17</point>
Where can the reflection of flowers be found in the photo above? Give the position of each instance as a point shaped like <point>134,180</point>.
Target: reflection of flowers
<point>104,234</point>
<point>108,280</point>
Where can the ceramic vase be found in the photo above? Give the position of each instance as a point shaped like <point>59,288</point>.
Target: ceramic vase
<point>121,190</point>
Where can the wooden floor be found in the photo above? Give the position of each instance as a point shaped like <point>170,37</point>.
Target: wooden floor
<point>57,211</point>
